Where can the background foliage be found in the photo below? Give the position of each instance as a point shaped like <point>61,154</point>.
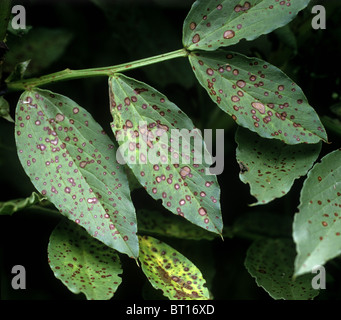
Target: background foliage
<point>98,33</point>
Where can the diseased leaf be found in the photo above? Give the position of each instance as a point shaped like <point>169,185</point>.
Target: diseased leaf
<point>270,262</point>
<point>156,223</point>
<point>83,263</point>
<point>71,161</point>
<point>269,166</point>
<point>11,206</point>
<point>317,225</point>
<point>258,96</point>
<point>170,271</point>
<point>155,141</point>
<point>211,24</point>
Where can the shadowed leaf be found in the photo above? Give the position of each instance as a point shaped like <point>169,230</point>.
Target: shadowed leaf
<point>19,71</point>
<point>5,11</point>
<point>4,110</point>
<point>157,223</point>
<point>256,225</point>
<point>270,262</point>
<point>270,166</point>
<point>41,45</point>
<point>83,263</point>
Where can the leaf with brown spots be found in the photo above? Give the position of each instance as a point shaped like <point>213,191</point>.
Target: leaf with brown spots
<point>170,271</point>
<point>258,96</point>
<point>272,165</point>
<point>72,162</point>
<point>317,225</point>
<point>270,262</point>
<point>211,24</point>
<point>165,152</point>
<point>83,263</point>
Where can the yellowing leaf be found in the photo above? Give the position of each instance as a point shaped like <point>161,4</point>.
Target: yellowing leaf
<point>170,271</point>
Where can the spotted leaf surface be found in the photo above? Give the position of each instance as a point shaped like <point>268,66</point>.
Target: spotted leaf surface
<point>170,271</point>
<point>83,263</point>
<point>270,166</point>
<point>270,262</point>
<point>317,226</point>
<point>258,96</point>
<point>155,142</point>
<point>157,223</point>
<point>211,24</point>
<point>72,162</point>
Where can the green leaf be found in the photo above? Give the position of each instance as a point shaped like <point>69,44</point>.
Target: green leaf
<point>270,166</point>
<point>156,223</point>
<point>4,110</point>
<point>83,263</point>
<point>270,262</point>
<point>211,24</point>
<point>258,96</point>
<point>11,206</point>
<point>72,162</point>
<point>146,125</point>
<point>170,271</point>
<point>317,226</point>
<point>41,45</point>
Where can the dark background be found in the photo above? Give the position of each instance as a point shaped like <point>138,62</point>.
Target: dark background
<point>105,33</point>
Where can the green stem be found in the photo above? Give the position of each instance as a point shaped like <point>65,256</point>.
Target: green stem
<point>68,74</point>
